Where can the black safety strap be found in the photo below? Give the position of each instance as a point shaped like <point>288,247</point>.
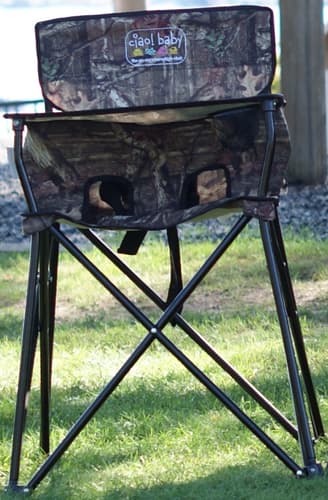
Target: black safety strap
<point>131,244</point>
<point>176,282</point>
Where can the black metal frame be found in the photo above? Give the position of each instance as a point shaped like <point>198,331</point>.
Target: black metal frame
<point>40,318</point>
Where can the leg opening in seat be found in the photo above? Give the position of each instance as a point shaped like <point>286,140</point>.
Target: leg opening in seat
<point>107,195</point>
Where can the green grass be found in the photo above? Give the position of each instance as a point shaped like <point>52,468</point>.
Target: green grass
<point>162,435</point>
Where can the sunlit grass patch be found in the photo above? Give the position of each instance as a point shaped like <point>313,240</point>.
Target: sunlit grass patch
<point>161,434</point>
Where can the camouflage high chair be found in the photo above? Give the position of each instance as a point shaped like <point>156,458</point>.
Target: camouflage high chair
<point>165,117</point>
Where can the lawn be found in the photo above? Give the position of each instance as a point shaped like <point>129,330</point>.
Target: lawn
<point>162,435</point>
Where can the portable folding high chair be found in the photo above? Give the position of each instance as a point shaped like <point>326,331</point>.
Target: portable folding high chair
<point>153,119</point>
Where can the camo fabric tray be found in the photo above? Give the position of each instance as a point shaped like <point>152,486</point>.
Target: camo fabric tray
<point>125,175</point>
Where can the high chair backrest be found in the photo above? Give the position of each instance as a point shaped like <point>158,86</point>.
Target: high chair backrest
<point>156,58</point>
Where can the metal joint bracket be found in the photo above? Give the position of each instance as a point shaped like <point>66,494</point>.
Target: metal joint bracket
<point>18,124</point>
<point>269,105</point>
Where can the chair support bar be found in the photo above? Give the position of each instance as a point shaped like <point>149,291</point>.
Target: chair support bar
<point>193,334</point>
<point>155,331</point>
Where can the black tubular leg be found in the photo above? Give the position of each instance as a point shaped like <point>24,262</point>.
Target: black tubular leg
<point>181,297</point>
<point>305,439</point>
<point>228,403</point>
<point>193,334</point>
<point>101,278</point>
<point>49,250</point>
<point>89,413</point>
<point>176,303</point>
<point>18,126</point>
<point>53,274</point>
<point>29,340</point>
<point>45,355</point>
<point>316,420</point>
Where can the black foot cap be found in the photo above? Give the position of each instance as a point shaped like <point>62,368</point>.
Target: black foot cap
<point>15,489</point>
<point>310,472</point>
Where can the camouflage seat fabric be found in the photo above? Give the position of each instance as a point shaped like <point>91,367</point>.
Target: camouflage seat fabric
<point>113,61</point>
<point>109,174</point>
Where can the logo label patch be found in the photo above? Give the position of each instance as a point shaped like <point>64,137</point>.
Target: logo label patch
<point>153,47</point>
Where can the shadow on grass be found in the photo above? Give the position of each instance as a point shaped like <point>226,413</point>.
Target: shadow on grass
<point>175,397</point>
<point>166,404</point>
<point>231,483</point>
<point>147,409</point>
<point>151,408</point>
<point>238,482</point>
<point>151,392</point>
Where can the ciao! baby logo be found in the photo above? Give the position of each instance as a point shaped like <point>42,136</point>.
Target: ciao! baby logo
<point>149,47</point>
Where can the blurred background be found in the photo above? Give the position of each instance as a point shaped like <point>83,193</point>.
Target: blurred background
<point>304,85</point>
